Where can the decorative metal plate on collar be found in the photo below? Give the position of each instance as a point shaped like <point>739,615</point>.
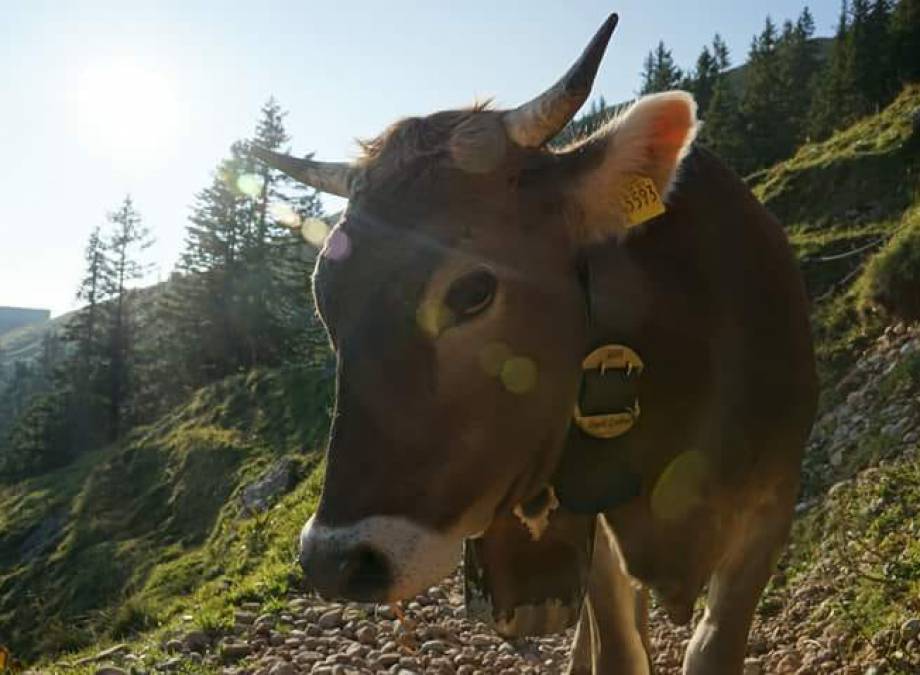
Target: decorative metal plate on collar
<point>596,365</point>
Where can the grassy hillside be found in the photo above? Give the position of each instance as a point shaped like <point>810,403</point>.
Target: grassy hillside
<point>135,535</point>
<point>841,201</point>
<point>866,171</point>
<point>853,569</point>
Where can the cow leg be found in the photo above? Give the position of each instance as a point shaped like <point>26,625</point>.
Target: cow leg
<point>719,642</point>
<point>582,657</point>
<point>612,633</point>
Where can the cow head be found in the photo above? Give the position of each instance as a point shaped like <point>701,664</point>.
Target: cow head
<point>451,295</point>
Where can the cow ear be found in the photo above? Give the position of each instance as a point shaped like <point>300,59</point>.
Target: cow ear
<point>613,171</point>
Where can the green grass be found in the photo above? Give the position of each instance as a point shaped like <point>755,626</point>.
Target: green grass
<point>867,169</point>
<point>891,280</point>
<point>861,551</point>
<point>844,202</point>
<point>138,535</point>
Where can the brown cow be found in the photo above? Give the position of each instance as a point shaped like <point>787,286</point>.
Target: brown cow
<point>495,307</point>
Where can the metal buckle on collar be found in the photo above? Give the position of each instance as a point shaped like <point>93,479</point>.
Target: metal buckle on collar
<point>610,425</point>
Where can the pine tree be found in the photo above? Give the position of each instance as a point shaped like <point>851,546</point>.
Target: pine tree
<point>905,41</point>
<point>128,239</point>
<point>200,306</point>
<point>865,56</point>
<point>84,331</point>
<point>720,53</point>
<point>282,321</point>
<point>712,62</point>
<point>85,380</point>
<point>240,297</point>
<point>881,85</point>
<point>660,73</point>
<point>723,129</point>
<point>833,103</point>
<point>703,81</point>
<point>799,65</point>
<point>768,133</point>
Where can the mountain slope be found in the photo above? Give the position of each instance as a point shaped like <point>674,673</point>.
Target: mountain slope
<point>116,541</point>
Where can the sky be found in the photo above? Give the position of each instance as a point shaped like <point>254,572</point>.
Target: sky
<point>99,99</point>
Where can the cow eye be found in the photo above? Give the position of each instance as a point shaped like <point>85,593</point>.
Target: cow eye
<point>471,294</point>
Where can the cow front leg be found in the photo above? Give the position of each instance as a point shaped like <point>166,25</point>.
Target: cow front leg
<point>612,633</point>
<point>719,642</point>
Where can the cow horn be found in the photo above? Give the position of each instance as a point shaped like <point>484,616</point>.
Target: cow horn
<point>537,121</point>
<point>332,177</point>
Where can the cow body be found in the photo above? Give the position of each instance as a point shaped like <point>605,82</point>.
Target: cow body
<point>470,276</point>
<point>709,295</point>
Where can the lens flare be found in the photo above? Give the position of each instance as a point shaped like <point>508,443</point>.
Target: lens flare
<point>314,231</point>
<point>250,184</point>
<point>433,317</point>
<point>284,214</point>
<point>680,486</point>
<point>338,245</point>
<point>493,356</point>
<point>519,374</point>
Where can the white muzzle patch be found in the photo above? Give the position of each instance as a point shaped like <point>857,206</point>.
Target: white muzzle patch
<point>417,556</point>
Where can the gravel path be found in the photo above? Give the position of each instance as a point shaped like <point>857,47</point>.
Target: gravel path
<point>432,636</point>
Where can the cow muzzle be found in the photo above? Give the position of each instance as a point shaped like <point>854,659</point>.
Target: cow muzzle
<point>337,567</point>
<point>377,559</point>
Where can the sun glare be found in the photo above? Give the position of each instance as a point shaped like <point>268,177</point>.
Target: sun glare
<point>125,110</point>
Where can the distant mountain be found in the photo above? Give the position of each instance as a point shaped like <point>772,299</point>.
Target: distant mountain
<point>25,342</point>
<point>12,318</point>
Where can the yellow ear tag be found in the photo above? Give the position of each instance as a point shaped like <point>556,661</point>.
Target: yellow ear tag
<point>640,200</point>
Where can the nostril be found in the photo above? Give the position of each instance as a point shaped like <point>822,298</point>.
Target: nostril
<point>365,573</point>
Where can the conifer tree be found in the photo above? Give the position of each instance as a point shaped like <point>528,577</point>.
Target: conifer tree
<point>200,305</point>
<point>128,239</point>
<point>798,64</point>
<point>767,132</point>
<point>660,73</point>
<point>905,41</point>
<point>85,331</point>
<point>710,65</point>
<point>85,381</point>
<point>832,103</point>
<point>876,69</point>
<point>865,42</point>
<point>240,297</point>
<point>720,53</point>
<point>723,127</point>
<point>703,80</point>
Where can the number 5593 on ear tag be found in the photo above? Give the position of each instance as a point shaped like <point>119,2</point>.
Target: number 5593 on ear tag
<point>640,200</point>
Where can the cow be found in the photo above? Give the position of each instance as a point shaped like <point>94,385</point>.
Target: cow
<point>592,364</point>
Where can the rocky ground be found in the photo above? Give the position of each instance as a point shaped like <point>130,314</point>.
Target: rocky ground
<point>431,635</point>
<point>877,403</point>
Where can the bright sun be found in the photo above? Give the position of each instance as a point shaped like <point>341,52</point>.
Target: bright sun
<point>127,111</point>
